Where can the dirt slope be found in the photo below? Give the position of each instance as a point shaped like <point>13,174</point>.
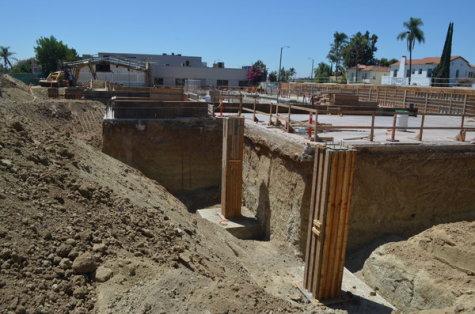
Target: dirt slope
<point>432,270</point>
<point>82,232</point>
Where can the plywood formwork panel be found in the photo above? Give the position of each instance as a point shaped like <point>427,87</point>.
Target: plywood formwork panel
<point>231,184</point>
<point>328,221</point>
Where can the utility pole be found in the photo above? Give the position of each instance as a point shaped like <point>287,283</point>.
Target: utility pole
<point>280,62</point>
<point>313,63</point>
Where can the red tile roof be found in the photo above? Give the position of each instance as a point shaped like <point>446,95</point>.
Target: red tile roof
<point>428,60</point>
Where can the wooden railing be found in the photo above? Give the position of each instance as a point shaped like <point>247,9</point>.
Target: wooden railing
<point>457,101</point>
<point>281,115</point>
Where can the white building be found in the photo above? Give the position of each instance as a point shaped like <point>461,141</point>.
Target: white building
<point>367,74</point>
<point>175,69</point>
<point>461,72</point>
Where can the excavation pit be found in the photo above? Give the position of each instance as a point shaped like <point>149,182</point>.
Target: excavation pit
<point>245,227</point>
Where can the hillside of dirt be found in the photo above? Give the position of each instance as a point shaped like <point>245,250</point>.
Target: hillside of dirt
<point>432,270</point>
<point>81,232</point>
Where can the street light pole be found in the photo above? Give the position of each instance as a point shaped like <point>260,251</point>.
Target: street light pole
<point>280,62</point>
<point>313,63</point>
<point>280,68</point>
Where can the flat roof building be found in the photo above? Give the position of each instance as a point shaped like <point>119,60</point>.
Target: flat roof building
<point>175,69</point>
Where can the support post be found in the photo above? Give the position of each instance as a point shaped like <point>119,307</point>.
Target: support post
<point>371,133</point>
<point>393,129</point>
<point>462,131</point>
<point>288,118</point>
<point>421,129</point>
<point>254,110</point>
<point>450,103</point>
<point>231,178</point>
<point>423,118</point>
<point>461,138</point>
<point>270,113</point>
<point>315,136</point>
<point>240,105</point>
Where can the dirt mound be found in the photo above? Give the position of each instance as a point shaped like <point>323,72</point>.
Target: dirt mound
<point>432,270</point>
<point>13,90</point>
<point>80,231</point>
<point>8,81</point>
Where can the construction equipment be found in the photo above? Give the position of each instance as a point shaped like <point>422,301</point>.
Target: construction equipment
<point>56,79</point>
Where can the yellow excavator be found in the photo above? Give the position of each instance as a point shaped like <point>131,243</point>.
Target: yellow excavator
<point>56,79</point>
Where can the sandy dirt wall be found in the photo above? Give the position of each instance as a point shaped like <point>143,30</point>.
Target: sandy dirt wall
<point>398,190</point>
<point>276,186</point>
<point>403,190</point>
<point>184,155</point>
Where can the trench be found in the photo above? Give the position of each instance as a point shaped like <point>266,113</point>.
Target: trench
<point>399,190</point>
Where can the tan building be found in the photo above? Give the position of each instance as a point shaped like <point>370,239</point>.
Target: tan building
<point>367,74</point>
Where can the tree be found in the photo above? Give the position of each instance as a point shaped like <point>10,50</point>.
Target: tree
<point>257,72</point>
<point>5,54</point>
<point>385,62</point>
<point>340,40</point>
<point>51,53</point>
<point>411,34</point>
<point>23,66</point>
<point>442,71</point>
<point>287,75</point>
<point>322,72</point>
<point>273,76</point>
<point>360,49</point>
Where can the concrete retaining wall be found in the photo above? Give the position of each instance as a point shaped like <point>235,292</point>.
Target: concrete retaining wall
<point>184,155</point>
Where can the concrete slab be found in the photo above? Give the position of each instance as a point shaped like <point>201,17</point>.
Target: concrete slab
<point>381,136</point>
<point>245,227</point>
<point>356,296</point>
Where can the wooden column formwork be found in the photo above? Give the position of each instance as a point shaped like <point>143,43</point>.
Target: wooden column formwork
<point>231,178</point>
<point>328,220</point>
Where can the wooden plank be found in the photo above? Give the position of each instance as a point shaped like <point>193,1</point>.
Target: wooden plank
<point>231,179</point>
<point>342,223</point>
<point>309,251</point>
<point>346,209</point>
<point>321,215</point>
<point>333,225</point>
<point>328,221</point>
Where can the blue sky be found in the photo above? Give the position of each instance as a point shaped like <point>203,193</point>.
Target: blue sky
<point>236,32</point>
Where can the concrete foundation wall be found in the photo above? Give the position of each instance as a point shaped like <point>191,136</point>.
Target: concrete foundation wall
<point>399,190</point>
<point>184,155</point>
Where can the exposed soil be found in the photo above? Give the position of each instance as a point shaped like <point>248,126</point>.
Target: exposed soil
<point>432,270</point>
<point>82,232</point>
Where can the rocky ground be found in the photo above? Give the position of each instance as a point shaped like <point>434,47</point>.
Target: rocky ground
<point>434,270</point>
<point>82,232</point>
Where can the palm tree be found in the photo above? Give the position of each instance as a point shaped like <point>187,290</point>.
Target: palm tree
<point>336,51</point>
<point>5,54</point>
<point>412,34</point>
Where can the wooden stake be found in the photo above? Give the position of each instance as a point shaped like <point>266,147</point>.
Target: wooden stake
<point>393,131</point>
<point>240,105</point>
<point>371,133</point>
<point>254,110</point>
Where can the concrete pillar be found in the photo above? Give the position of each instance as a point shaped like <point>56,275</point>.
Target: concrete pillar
<point>231,179</point>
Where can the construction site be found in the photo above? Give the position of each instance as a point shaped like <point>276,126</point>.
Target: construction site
<point>313,198</point>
